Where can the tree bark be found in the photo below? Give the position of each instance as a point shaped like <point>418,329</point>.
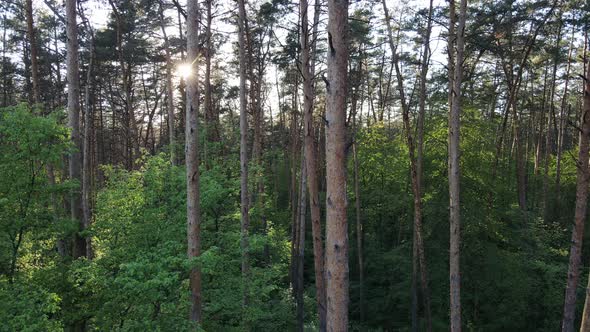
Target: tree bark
<point>583,176</point>
<point>336,219</point>
<point>192,157</point>
<point>245,220</point>
<point>541,127</point>
<point>456,45</point>
<point>294,128</point>
<point>359,233</point>
<point>87,155</point>
<point>562,123</point>
<point>133,138</point>
<point>308,64</point>
<point>169,88</point>
<point>301,243</point>
<point>415,178</point>
<point>33,47</point>
<point>75,162</point>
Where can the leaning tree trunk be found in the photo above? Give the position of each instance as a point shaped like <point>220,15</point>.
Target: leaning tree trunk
<point>245,220</point>
<point>336,223</point>
<point>192,157</point>
<point>573,273</point>
<point>454,168</point>
<point>307,69</point>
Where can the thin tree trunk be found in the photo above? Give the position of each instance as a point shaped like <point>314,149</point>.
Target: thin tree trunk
<point>75,162</point>
<point>359,233</point>
<point>562,123</point>
<point>4,62</point>
<point>192,158</point>
<point>454,168</point>
<point>293,190</point>
<point>87,156</point>
<point>33,47</point>
<point>169,89</point>
<point>308,65</point>
<point>541,127</point>
<point>583,177</point>
<point>245,221</point>
<point>301,243</point>
<point>336,219</point>
<point>423,95</point>
<point>211,116</point>
<point>415,179</point>
<point>133,139</point>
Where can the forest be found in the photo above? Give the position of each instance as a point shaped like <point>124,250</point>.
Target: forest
<point>294,165</point>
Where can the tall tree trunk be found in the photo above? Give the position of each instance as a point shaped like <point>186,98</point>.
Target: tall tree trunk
<point>419,253</point>
<point>294,128</point>
<point>583,177</point>
<point>211,115</point>
<point>415,178</point>
<point>359,233</point>
<point>336,219</point>
<point>301,243</point>
<point>245,220</point>
<point>562,124</point>
<point>169,88</point>
<point>33,48</point>
<point>133,139</point>
<point>308,64</point>
<point>541,127</point>
<point>520,156</point>
<point>75,162</point>
<point>458,47</point>
<point>192,157</point>
<point>4,62</point>
<point>182,84</point>
<point>423,94</point>
<point>87,156</point>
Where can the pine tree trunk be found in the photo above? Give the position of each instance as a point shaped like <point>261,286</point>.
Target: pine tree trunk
<point>245,221</point>
<point>301,243</point>
<point>562,123</point>
<point>541,128</point>
<point>33,47</point>
<point>454,167</point>
<point>336,219</point>
<point>293,189</point>
<point>212,116</point>
<point>583,177</point>
<point>415,178</point>
<point>75,162</point>
<point>132,139</point>
<point>87,156</point>
<point>359,234</point>
<point>192,158</point>
<point>307,64</point>
<point>169,88</point>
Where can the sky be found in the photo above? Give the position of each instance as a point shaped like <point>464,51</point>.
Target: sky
<point>98,12</point>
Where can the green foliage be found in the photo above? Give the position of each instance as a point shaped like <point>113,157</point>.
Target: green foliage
<point>513,263</point>
<point>27,307</point>
<point>139,279</point>
<point>29,220</point>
